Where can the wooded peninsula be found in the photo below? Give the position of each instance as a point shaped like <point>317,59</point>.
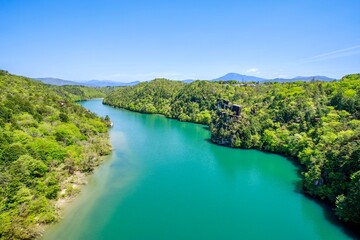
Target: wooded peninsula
<point>317,123</point>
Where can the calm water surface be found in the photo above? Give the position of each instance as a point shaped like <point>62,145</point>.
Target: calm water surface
<point>165,180</point>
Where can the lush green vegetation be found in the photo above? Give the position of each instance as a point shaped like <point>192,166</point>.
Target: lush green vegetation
<point>317,123</point>
<point>76,93</point>
<point>46,141</point>
<point>187,102</point>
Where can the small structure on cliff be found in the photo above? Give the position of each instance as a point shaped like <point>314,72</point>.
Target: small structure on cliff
<point>237,109</point>
<point>222,104</point>
<point>225,104</point>
<point>62,103</point>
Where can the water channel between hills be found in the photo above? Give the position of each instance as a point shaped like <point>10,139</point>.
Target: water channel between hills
<point>165,180</point>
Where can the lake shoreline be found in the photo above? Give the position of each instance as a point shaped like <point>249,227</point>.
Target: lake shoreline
<point>351,230</point>
<point>232,189</point>
<point>78,181</point>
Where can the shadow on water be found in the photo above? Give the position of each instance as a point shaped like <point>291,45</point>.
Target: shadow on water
<point>329,214</point>
<point>206,127</point>
<point>326,207</point>
<point>209,140</point>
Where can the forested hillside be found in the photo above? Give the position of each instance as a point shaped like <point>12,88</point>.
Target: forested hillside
<point>317,123</point>
<point>46,141</point>
<point>76,93</point>
<point>187,102</point>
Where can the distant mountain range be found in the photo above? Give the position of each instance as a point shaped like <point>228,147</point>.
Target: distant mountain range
<point>245,78</point>
<point>227,77</point>
<point>91,83</point>
<point>188,80</point>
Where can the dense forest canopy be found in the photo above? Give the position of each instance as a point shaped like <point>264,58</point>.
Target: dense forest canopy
<point>317,123</point>
<point>77,93</point>
<point>45,141</point>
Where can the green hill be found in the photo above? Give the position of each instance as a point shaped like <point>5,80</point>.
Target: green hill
<point>46,141</point>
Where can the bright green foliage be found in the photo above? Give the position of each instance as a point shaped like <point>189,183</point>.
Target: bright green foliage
<point>186,102</point>
<point>348,207</point>
<point>153,97</point>
<point>317,123</point>
<point>77,93</point>
<point>44,138</point>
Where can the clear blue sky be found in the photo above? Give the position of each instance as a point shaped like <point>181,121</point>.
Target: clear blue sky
<point>179,39</point>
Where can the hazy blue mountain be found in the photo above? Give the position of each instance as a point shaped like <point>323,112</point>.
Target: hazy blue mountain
<point>321,78</point>
<point>57,81</point>
<point>227,77</point>
<point>91,83</point>
<point>302,78</point>
<point>188,80</point>
<point>245,78</point>
<point>106,83</point>
<point>240,78</point>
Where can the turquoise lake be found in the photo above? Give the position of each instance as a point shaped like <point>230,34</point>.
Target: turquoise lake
<point>166,180</point>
